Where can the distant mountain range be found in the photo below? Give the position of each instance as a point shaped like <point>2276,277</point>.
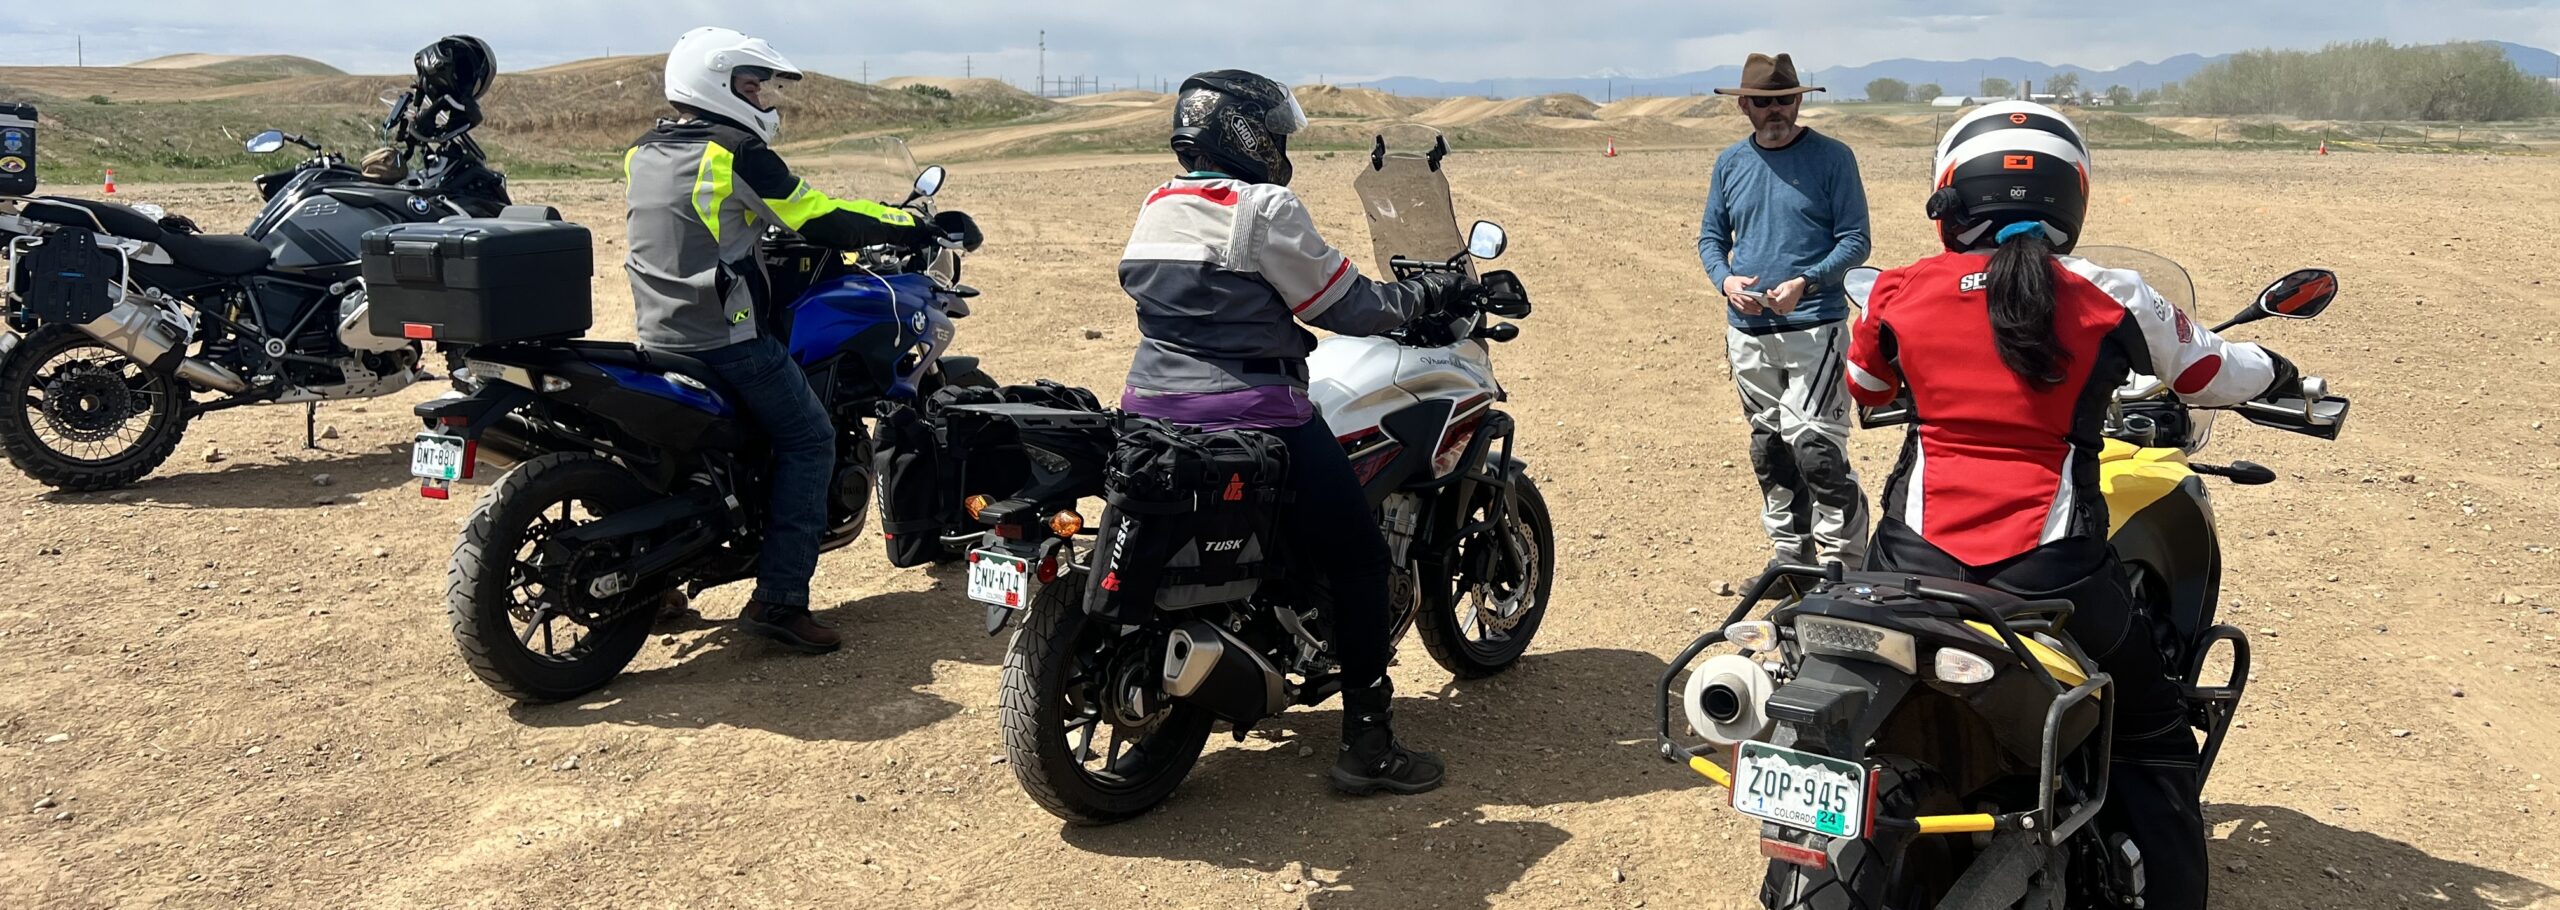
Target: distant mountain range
<point>1957,77</point>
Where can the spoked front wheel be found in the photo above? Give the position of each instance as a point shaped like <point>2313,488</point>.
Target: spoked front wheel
<point>1480,622</point>
<point>1087,728</point>
<point>84,416</point>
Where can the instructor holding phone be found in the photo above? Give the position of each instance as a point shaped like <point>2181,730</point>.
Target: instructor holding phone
<point>1786,218</point>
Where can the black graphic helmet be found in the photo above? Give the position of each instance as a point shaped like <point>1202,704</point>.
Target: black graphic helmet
<point>1238,122</point>
<point>457,66</point>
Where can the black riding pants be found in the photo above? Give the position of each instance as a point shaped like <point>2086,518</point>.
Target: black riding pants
<point>1330,524</point>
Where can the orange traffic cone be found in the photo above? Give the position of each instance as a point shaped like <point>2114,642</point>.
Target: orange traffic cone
<point>111,181</point>
<point>1613,150</point>
<point>2324,146</point>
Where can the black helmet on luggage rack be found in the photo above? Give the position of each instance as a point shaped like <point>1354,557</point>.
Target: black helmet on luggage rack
<point>1238,123</point>
<point>460,66</point>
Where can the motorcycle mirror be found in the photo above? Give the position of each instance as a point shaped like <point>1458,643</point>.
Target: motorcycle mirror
<point>1858,282</point>
<point>1487,241</point>
<point>929,182</point>
<point>265,143</point>
<point>2301,295</point>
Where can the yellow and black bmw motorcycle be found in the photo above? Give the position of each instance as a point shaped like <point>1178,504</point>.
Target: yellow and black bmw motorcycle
<point>1909,743</point>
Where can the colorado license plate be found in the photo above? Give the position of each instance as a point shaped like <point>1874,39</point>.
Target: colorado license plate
<point>1000,578</point>
<point>1800,790</point>
<point>436,456</point>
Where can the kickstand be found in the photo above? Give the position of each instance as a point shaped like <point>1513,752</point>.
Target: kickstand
<point>311,424</point>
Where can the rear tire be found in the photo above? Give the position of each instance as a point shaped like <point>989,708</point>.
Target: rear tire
<point>1048,683</point>
<point>1877,874</point>
<point>1469,638</point>
<point>488,585</point>
<point>73,391</point>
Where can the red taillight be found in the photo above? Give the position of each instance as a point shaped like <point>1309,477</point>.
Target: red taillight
<point>453,421</point>
<point>470,457</point>
<point>1798,854</point>
<point>1011,532</point>
<point>973,556</point>
<point>434,489</point>
<point>1048,570</point>
<point>418,330</point>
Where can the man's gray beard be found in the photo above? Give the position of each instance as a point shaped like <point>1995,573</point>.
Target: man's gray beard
<point>1775,132</point>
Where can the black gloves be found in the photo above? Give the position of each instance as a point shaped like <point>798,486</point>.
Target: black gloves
<point>2288,383</point>
<point>179,224</point>
<point>950,225</point>
<point>1442,291</point>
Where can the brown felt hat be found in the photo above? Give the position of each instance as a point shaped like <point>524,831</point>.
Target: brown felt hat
<point>1764,76</point>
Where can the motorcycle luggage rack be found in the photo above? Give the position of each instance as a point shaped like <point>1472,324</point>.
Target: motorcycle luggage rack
<point>2040,821</point>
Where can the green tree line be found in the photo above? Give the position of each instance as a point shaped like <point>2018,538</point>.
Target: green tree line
<point>2372,80</point>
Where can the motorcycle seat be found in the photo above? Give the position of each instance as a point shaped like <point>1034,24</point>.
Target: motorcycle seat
<point>224,255</point>
<point>103,217</point>
<point>626,354</point>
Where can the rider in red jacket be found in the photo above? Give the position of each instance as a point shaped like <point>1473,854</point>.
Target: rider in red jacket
<point>2011,350</point>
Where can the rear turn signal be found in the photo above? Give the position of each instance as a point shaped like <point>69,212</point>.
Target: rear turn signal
<point>975,504</point>
<point>1798,854</point>
<point>1066,523</point>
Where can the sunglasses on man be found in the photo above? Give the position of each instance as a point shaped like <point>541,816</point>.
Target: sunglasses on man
<point>1779,101</point>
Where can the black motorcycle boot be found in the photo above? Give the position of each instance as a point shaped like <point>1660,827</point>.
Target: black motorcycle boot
<point>1372,759</point>
<point>793,627</point>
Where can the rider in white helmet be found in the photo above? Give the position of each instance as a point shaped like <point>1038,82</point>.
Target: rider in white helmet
<point>703,185</point>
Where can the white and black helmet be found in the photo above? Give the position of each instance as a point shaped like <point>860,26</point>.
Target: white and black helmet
<point>2008,163</point>
<point>1238,121</point>
<point>698,71</point>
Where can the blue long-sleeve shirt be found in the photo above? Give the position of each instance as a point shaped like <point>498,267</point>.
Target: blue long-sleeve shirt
<point>1777,214</point>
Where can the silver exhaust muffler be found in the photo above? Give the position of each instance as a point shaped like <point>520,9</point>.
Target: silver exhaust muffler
<point>1206,666</point>
<point>153,336</point>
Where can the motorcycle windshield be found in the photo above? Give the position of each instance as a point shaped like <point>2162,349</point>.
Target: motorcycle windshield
<point>877,167</point>
<point>1405,191</point>
<point>2163,274</point>
<point>2171,281</point>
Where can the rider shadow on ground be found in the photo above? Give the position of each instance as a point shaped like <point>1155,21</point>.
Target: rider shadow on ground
<point>870,690</point>
<point>2288,859</point>
<point>284,484</point>
<point>1533,737</point>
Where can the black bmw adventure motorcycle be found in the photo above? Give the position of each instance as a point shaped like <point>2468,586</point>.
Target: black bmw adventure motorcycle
<point>118,316</point>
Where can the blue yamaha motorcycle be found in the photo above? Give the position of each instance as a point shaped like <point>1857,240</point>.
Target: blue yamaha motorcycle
<point>632,473</point>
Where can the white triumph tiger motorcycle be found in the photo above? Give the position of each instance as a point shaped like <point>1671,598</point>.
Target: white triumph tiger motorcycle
<point>1102,720</point>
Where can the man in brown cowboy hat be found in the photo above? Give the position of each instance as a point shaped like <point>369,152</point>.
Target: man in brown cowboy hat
<point>1786,218</point>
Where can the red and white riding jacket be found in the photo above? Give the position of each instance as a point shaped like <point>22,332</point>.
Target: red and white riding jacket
<point>1995,466</point>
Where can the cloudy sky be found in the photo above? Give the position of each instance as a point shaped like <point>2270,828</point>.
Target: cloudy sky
<point>1124,41</point>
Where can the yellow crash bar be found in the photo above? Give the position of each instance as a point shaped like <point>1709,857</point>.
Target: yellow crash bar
<point>1955,824</point>
<point>1700,764</point>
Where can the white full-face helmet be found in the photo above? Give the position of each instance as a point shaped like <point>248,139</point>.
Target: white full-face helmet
<point>699,71</point>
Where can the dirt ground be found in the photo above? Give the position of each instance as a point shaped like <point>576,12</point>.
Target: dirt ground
<point>223,694</point>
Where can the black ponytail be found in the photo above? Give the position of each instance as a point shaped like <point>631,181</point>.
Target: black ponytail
<point>2020,287</point>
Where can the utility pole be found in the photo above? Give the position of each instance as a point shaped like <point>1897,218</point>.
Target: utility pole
<point>866,71</point>
<point>968,67</point>
<point>1044,63</point>
<point>80,50</point>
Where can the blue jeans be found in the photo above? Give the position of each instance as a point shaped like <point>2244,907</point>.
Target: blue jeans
<point>776,395</point>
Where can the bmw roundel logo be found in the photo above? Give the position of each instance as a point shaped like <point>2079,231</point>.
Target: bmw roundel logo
<point>919,323</point>
<point>418,204</point>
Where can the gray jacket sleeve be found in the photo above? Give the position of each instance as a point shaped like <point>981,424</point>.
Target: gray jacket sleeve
<point>1319,284</point>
